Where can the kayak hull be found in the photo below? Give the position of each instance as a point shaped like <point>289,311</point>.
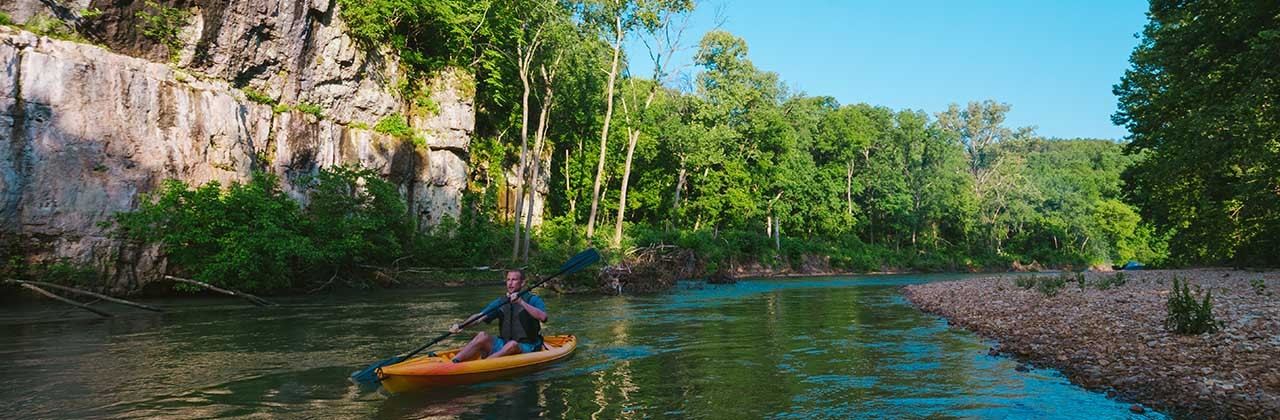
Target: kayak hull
<point>439,370</point>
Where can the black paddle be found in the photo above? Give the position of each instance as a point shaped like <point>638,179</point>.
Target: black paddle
<point>369,375</point>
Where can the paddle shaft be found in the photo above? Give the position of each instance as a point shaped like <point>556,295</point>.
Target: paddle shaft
<point>483,314</point>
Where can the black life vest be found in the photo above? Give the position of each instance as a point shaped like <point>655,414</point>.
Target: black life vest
<point>515,323</point>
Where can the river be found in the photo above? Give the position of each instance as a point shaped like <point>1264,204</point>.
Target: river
<point>824,347</point>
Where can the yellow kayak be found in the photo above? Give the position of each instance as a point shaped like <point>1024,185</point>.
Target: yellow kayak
<point>439,370</point>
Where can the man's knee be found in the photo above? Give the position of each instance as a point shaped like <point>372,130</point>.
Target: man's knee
<point>511,347</point>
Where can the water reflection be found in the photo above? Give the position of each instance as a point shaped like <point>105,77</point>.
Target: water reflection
<point>824,348</point>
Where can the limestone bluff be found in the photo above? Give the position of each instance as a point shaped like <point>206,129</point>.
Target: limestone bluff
<point>84,130</point>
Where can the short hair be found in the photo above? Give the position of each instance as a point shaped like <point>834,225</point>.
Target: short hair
<point>517,271</point>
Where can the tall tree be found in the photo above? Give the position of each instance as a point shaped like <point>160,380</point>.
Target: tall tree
<point>664,24</point>
<point>1200,102</point>
<point>617,16</point>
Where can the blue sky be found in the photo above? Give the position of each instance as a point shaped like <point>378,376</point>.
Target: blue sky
<point>1054,62</point>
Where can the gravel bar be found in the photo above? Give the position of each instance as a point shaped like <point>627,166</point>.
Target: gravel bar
<point>1115,341</point>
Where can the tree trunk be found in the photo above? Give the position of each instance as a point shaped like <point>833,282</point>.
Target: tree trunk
<point>848,187</point>
<point>604,132</point>
<point>520,172</point>
<point>626,177</point>
<point>543,121</point>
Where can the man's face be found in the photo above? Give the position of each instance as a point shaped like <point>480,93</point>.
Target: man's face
<point>514,282</point>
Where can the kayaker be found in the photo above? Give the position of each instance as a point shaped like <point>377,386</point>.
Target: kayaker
<point>519,318</point>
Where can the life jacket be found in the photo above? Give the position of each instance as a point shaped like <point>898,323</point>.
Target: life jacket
<point>515,323</point>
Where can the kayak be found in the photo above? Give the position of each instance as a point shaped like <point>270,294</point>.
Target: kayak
<point>439,370</point>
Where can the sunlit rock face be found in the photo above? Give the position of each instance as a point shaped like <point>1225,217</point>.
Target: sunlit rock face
<point>85,130</point>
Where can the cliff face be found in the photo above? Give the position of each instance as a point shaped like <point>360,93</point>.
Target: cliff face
<point>84,130</point>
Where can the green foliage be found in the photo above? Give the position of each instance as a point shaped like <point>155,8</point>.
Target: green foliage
<point>1111,282</point>
<point>164,24</point>
<point>311,109</point>
<point>1186,316</point>
<point>45,25</point>
<point>254,237</point>
<point>249,236</point>
<point>258,97</point>
<point>394,125</point>
<point>1196,101</point>
<point>360,125</point>
<point>5,19</point>
<point>1048,285</point>
<point>1259,287</point>
<point>90,13</point>
<point>356,217</point>
<point>281,108</point>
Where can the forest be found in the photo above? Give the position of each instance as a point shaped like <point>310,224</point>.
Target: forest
<point>721,157</point>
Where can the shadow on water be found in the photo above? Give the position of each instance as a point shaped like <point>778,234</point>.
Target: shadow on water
<point>833,347</point>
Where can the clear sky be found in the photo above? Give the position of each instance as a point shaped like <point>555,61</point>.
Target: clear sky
<point>1054,62</point>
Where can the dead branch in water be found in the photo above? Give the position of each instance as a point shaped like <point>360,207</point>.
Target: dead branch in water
<point>88,293</point>
<point>49,295</point>
<point>251,298</point>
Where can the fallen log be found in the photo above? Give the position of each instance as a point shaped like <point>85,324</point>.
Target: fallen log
<point>88,293</point>
<point>49,295</point>
<point>251,298</point>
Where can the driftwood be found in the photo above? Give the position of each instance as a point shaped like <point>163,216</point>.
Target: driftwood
<point>49,295</point>
<point>251,298</point>
<point>88,293</point>
<point>649,269</point>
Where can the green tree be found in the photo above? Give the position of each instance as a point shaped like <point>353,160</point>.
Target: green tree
<point>1199,101</point>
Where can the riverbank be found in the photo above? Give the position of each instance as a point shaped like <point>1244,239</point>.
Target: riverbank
<point>1114,339</point>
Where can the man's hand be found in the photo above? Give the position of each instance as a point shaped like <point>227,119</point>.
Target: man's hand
<point>455,329</point>
<point>514,297</point>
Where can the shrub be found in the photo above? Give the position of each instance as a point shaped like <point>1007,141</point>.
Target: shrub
<point>1048,285</point>
<point>1115,281</point>
<point>1259,286</point>
<point>282,108</point>
<point>258,97</point>
<point>394,125</point>
<point>356,217</point>
<point>5,19</point>
<point>1185,315</point>
<point>311,109</point>
<point>1026,283</point>
<point>249,236</point>
<point>163,24</point>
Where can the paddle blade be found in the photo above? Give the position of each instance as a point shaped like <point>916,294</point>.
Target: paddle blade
<point>369,375</point>
<point>580,261</point>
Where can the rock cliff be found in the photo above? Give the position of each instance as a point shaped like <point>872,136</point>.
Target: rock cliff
<point>84,130</point>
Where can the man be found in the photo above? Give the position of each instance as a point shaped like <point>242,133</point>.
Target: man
<point>519,324</point>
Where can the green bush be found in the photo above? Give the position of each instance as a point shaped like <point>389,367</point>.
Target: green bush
<point>1259,286</point>
<point>356,217</point>
<point>1186,316</point>
<point>394,125</point>
<point>311,109</point>
<point>1048,285</point>
<point>282,108</point>
<point>164,24</point>
<point>5,19</point>
<point>1114,281</point>
<point>258,97</point>
<point>254,237</point>
<point>249,236</point>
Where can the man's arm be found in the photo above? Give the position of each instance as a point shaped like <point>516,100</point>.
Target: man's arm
<point>538,311</point>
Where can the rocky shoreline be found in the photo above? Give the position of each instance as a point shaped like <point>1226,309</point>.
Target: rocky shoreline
<point>1111,337</point>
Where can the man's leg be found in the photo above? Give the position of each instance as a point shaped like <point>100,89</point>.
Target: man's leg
<point>478,346</point>
<point>511,347</point>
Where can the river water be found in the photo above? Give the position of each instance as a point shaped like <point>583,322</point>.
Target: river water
<point>829,347</point>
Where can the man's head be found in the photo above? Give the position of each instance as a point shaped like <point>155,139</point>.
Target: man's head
<point>515,280</point>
